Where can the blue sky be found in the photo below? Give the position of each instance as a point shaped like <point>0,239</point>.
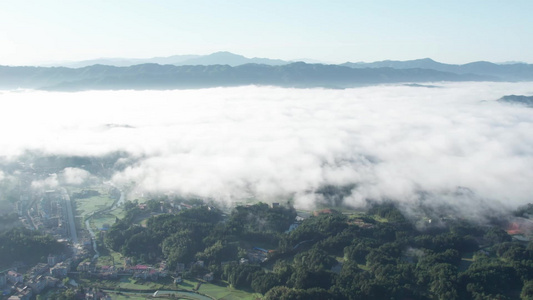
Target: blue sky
<point>331,31</point>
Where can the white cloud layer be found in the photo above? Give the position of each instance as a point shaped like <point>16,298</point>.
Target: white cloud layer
<point>49,182</point>
<point>391,142</point>
<point>74,176</point>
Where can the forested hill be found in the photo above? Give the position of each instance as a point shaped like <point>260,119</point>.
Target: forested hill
<point>155,76</point>
<point>21,244</point>
<point>330,255</point>
<point>515,71</point>
<point>517,99</point>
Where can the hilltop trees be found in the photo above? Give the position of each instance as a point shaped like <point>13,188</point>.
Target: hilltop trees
<point>21,244</point>
<point>336,256</point>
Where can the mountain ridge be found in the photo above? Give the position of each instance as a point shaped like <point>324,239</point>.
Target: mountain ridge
<point>155,76</point>
<point>216,58</point>
<point>505,71</point>
<point>514,71</point>
<point>229,69</point>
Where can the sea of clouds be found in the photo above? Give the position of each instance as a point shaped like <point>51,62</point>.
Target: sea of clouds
<point>453,143</point>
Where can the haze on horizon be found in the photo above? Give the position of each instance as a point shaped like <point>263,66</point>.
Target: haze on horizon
<point>330,31</point>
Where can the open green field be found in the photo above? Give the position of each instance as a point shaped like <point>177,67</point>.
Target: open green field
<point>130,283</point>
<point>141,296</point>
<point>98,221</point>
<point>109,258</point>
<point>125,283</point>
<point>86,206</point>
<point>123,296</point>
<point>224,292</point>
<point>219,290</point>
<point>379,219</point>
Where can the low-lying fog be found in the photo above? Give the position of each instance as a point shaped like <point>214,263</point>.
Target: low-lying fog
<point>452,143</point>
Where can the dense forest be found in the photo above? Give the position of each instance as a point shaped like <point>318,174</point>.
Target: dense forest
<point>198,233</point>
<point>24,245</point>
<point>377,255</point>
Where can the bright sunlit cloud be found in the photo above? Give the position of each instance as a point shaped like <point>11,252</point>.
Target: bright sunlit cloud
<point>230,144</point>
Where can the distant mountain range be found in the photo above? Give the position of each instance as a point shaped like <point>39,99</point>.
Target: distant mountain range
<point>506,71</point>
<point>228,69</point>
<point>154,76</point>
<point>217,58</point>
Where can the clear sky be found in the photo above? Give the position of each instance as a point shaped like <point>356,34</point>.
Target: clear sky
<point>332,31</point>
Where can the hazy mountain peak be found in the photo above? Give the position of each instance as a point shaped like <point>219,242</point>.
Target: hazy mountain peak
<point>232,59</point>
<point>427,59</point>
<point>216,58</point>
<point>224,53</point>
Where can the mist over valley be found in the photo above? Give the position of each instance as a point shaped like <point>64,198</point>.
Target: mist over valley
<point>409,144</point>
<point>266,150</point>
